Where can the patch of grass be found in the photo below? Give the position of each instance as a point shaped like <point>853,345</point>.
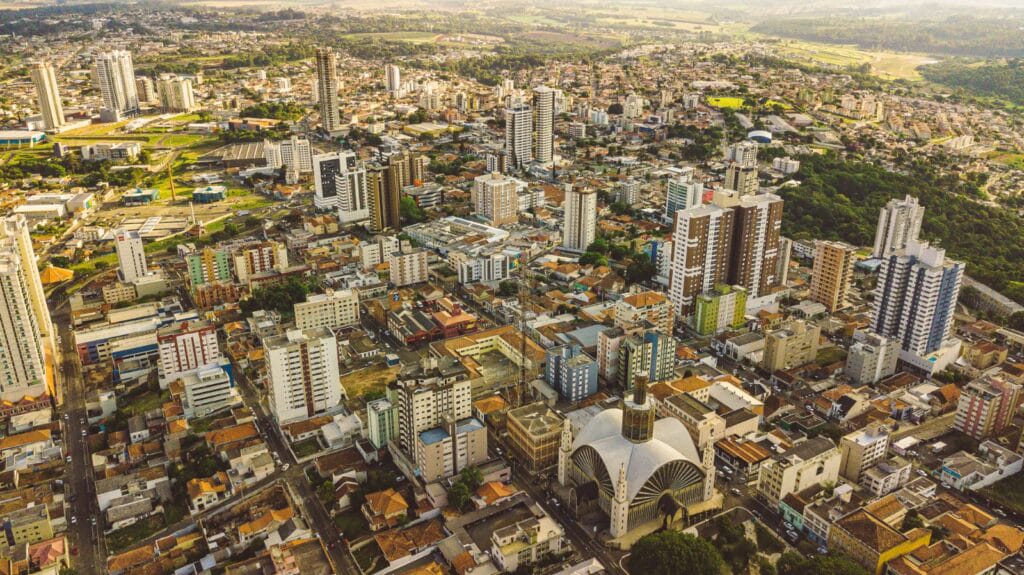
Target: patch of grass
<point>830,355</point>
<point>306,447</point>
<point>145,402</point>
<point>410,37</point>
<point>726,102</point>
<point>352,524</point>
<point>1008,492</point>
<point>124,538</point>
<point>369,558</point>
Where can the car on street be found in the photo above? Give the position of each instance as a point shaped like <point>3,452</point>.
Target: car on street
<point>84,433</point>
<point>68,459</point>
<point>74,520</point>
<point>922,473</point>
<point>285,467</point>
<point>735,492</point>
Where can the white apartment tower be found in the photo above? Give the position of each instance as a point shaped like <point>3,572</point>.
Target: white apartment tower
<point>186,346</point>
<point>496,199</point>
<point>327,87</point>
<point>115,78</point>
<point>518,136</point>
<point>332,309</point>
<point>392,78</point>
<point>175,94</point>
<point>340,183</point>
<point>302,367</point>
<point>579,223</point>
<point>294,155</point>
<point>682,191</point>
<point>409,268</point>
<point>742,153</point>
<point>131,255</point>
<point>915,300</point>
<point>898,223</point>
<point>544,123</point>
<point>45,80</point>
<point>22,359</point>
<point>16,230</point>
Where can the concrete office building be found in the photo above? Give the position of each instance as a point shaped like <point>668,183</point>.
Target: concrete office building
<point>861,450</point>
<point>381,422</point>
<point>832,273</point>
<point>810,462</point>
<point>302,371</point>
<point>332,309</point>
<point>534,433</point>
<point>872,358</point>
<point>792,346</point>
<point>131,256</point>
<point>44,78</point>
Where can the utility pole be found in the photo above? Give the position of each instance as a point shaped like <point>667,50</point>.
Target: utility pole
<point>170,177</point>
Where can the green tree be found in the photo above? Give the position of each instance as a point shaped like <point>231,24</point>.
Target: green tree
<point>410,212</point>
<point>1016,321</point>
<point>793,564</point>
<point>593,259</point>
<point>460,496</point>
<point>508,288</point>
<point>671,552</point>
<point>912,520</point>
<point>472,477</point>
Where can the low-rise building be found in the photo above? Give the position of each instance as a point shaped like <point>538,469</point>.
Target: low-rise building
<point>813,461</point>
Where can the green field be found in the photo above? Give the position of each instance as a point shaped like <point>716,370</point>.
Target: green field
<point>410,37</point>
<point>725,102</point>
<point>889,65</point>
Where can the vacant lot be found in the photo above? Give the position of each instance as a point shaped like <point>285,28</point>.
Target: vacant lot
<point>725,102</point>
<point>411,37</point>
<point>372,379</point>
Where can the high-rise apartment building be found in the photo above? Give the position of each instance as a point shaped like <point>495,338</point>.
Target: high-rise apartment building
<point>392,78</point>
<point>114,73</point>
<point>579,221</point>
<point>915,299</point>
<point>131,255</point>
<point>987,406</point>
<point>832,273</point>
<point>702,243</point>
<point>408,268</point>
<point>16,230</point>
<point>571,372</point>
<point>385,183</point>
<point>175,94</point>
<point>544,124</point>
<point>45,80</point>
<point>327,87</point>
<point>428,393</point>
<point>208,266</point>
<point>495,199</point>
<point>650,356</point>
<point>743,153</point>
<point>518,136</point>
<point>721,309</point>
<point>682,192</point>
<point>259,258</point>
<point>898,223</point>
<point>651,307</point>
<point>332,309</point>
<point>185,346</point>
<point>754,256</point>
<point>340,183</point>
<point>145,88</point>
<point>743,179</point>
<point>294,155</point>
<point>381,422</point>
<point>22,355</point>
<point>302,371</point>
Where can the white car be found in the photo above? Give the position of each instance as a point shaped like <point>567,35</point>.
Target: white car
<point>285,467</point>
<point>74,520</point>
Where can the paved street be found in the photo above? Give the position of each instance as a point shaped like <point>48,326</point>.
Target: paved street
<point>83,534</point>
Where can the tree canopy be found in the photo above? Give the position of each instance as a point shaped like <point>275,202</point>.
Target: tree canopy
<point>671,552</point>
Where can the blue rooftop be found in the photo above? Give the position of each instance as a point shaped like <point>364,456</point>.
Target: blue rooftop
<point>432,436</point>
